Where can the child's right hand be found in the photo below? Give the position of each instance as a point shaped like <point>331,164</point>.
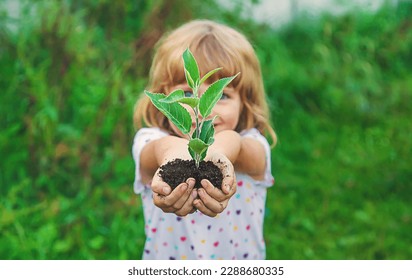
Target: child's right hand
<point>179,201</point>
<point>212,201</point>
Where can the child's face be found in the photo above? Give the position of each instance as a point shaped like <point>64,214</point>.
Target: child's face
<point>227,109</point>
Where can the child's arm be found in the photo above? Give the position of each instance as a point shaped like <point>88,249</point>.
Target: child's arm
<point>157,153</point>
<point>247,154</point>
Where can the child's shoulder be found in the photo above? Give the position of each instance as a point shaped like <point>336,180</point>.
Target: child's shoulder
<point>250,132</point>
<point>253,133</point>
<point>146,134</point>
<point>151,131</point>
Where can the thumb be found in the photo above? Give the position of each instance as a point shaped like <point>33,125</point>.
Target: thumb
<point>160,187</point>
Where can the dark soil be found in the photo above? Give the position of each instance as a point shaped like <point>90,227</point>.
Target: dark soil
<point>178,171</point>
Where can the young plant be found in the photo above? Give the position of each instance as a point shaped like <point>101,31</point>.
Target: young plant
<point>170,106</point>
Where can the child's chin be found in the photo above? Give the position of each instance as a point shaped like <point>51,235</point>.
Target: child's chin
<point>218,128</point>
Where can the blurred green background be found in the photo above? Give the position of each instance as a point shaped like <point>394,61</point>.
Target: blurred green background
<point>339,87</point>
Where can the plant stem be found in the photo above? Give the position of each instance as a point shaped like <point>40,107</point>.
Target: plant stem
<point>197,122</point>
<point>197,156</point>
<point>195,91</point>
<point>196,111</point>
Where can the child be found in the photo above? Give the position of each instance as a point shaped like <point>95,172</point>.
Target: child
<point>236,231</point>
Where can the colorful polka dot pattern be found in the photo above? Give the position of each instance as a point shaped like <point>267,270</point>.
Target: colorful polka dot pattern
<point>237,233</point>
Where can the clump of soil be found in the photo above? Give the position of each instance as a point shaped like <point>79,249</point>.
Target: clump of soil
<point>178,171</point>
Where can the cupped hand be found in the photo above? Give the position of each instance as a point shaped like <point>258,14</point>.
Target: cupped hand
<point>212,200</point>
<point>179,201</point>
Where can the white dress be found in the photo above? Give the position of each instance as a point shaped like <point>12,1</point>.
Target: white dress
<point>236,233</point>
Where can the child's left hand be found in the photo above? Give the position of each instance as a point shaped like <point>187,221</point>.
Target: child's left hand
<point>212,200</point>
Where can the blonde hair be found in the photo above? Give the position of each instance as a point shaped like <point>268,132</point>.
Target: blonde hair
<point>213,45</point>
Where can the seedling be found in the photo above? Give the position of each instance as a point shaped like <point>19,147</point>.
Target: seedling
<point>170,105</point>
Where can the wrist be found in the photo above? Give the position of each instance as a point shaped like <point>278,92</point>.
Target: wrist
<point>170,148</point>
<point>227,143</point>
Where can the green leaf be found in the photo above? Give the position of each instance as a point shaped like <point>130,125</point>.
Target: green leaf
<point>193,154</point>
<point>191,68</point>
<point>210,73</point>
<point>207,131</point>
<point>179,96</point>
<point>212,95</point>
<point>203,155</point>
<point>189,80</point>
<point>174,96</point>
<point>175,112</point>
<point>191,101</point>
<point>198,146</point>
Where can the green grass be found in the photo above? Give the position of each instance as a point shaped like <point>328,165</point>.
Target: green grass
<point>340,94</point>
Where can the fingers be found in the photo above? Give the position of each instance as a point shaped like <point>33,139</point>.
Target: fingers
<point>228,173</point>
<point>163,201</point>
<point>160,187</point>
<point>210,203</point>
<point>202,208</point>
<point>226,169</point>
<point>229,184</point>
<point>216,193</point>
<point>188,207</point>
<point>179,201</point>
